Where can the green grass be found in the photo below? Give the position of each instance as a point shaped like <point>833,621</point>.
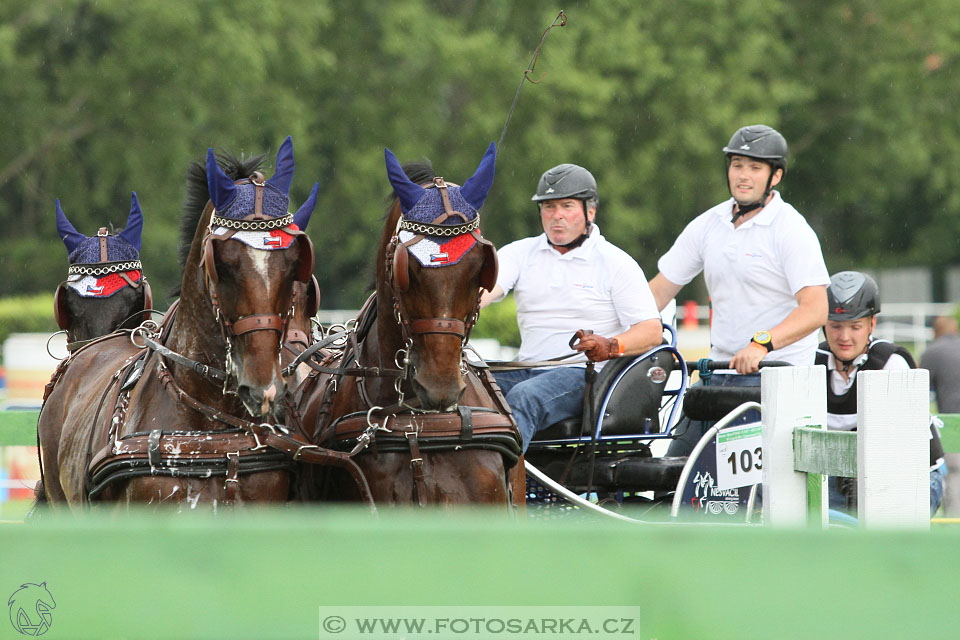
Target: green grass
<point>265,573</point>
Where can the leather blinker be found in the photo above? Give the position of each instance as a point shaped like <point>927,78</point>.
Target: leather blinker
<point>491,265</point>
<point>313,296</point>
<point>60,312</point>
<point>401,268</point>
<point>147,298</point>
<point>305,266</point>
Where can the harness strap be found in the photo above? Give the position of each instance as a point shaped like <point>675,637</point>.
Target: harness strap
<point>416,468</point>
<point>466,422</point>
<point>205,370</point>
<point>312,349</point>
<point>273,436</point>
<point>102,233</point>
<point>233,481</point>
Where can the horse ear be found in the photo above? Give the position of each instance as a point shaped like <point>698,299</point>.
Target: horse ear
<point>302,217</point>
<point>475,189</point>
<point>221,188</point>
<point>283,176</point>
<point>70,236</point>
<point>134,229</point>
<point>408,192</point>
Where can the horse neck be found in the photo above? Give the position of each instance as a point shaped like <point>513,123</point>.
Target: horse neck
<point>195,332</point>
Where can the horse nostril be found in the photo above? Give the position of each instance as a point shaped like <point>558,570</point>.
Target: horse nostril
<point>252,399</point>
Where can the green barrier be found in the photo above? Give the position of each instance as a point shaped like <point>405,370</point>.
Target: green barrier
<point>266,574</point>
<point>18,428</point>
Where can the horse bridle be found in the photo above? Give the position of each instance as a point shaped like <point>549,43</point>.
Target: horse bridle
<point>102,268</point>
<point>398,268</point>
<point>256,221</point>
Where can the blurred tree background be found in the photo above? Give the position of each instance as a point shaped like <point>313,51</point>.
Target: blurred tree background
<point>104,97</point>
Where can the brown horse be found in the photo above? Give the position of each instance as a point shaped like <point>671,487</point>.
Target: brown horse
<point>173,415</point>
<point>105,289</point>
<point>436,430</point>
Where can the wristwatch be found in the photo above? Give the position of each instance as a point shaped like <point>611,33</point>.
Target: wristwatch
<point>764,339</point>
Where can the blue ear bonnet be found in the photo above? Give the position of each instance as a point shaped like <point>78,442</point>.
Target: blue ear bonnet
<point>430,206</point>
<point>275,202</point>
<point>237,201</point>
<point>426,205</point>
<point>118,250</point>
<point>124,246</point>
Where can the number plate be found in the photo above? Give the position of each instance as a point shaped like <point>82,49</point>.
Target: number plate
<point>739,457</point>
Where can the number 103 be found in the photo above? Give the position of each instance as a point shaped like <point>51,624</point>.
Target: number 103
<point>749,460</point>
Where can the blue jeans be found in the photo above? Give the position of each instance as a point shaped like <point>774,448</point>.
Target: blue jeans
<point>542,397</point>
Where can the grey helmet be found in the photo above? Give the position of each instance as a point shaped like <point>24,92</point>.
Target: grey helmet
<point>761,142</point>
<point>852,295</point>
<point>566,181</point>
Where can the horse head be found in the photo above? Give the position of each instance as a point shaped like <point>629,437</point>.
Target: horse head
<point>105,287</point>
<point>435,262</point>
<point>253,252</point>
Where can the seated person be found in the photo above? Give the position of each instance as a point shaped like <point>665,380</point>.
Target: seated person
<point>566,279</point>
<point>850,347</point>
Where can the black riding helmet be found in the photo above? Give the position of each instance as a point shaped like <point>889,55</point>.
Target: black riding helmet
<point>569,181</point>
<point>762,143</point>
<point>852,295</point>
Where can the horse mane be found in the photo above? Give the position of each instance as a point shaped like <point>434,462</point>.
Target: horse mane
<point>198,195</point>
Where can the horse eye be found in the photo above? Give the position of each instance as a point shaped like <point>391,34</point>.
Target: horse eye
<point>224,273</point>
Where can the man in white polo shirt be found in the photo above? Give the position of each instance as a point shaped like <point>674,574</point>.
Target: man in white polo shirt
<point>761,261</point>
<point>567,279</point>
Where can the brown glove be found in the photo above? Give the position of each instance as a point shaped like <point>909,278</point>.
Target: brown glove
<point>596,347</point>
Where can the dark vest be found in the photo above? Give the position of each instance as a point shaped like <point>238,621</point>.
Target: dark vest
<point>878,352</point>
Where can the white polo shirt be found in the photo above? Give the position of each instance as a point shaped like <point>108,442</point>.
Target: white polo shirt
<point>596,286</point>
<point>752,273</point>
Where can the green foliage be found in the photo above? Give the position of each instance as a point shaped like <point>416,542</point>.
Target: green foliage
<point>26,314</point>
<point>103,98</point>
<point>499,321</point>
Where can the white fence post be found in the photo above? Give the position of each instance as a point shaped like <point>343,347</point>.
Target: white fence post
<point>790,397</point>
<point>893,448</point>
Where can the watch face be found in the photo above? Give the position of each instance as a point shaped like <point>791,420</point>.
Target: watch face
<point>762,337</point>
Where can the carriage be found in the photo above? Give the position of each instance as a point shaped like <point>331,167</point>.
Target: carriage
<point>614,460</point>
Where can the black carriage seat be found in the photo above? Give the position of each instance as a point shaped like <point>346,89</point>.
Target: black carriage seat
<point>634,405</point>
<point>713,403</point>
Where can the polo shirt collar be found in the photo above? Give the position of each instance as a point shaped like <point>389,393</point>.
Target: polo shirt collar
<point>583,251</point>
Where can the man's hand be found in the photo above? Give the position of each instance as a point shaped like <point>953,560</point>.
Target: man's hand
<point>597,348</point>
<point>747,360</point>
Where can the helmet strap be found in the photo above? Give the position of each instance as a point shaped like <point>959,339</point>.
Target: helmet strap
<point>576,242</point>
<point>744,209</point>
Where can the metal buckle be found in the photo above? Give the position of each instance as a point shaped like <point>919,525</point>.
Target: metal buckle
<point>296,455</point>
<point>260,445</point>
<point>235,454</point>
